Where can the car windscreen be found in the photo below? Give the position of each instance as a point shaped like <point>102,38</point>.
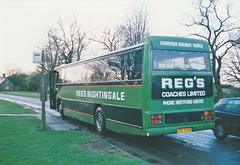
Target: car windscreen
<point>221,103</point>
<point>180,60</point>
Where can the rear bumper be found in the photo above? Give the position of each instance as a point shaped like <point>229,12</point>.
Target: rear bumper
<point>173,129</point>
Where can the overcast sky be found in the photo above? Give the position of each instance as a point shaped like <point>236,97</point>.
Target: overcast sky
<point>24,23</point>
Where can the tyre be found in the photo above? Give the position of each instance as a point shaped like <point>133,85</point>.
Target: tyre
<point>100,121</point>
<point>220,131</point>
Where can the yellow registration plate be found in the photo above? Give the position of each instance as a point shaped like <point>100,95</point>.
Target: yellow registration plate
<point>184,130</point>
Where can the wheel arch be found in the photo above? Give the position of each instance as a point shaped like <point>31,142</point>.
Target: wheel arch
<point>103,128</point>
<point>218,120</point>
<point>99,104</point>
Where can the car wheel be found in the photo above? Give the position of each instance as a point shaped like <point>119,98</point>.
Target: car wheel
<point>100,121</point>
<point>220,131</point>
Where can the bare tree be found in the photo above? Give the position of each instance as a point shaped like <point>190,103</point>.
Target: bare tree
<point>216,30</point>
<point>110,38</point>
<point>133,29</point>
<point>52,51</point>
<point>64,45</point>
<point>11,70</point>
<point>72,43</point>
<point>232,71</point>
<point>135,26</point>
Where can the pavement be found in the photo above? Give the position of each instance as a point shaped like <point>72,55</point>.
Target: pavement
<point>53,118</point>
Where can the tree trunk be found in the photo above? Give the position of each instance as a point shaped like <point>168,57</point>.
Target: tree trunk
<point>216,74</point>
<point>218,86</point>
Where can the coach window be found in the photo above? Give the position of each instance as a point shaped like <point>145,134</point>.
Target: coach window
<point>81,76</point>
<point>133,63</point>
<point>96,71</point>
<point>115,68</point>
<point>69,78</point>
<point>61,76</point>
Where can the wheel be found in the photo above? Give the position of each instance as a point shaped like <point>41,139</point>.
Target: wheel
<point>60,108</point>
<point>220,131</point>
<point>100,121</point>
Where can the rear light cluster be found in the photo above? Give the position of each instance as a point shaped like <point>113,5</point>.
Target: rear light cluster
<point>156,119</point>
<point>209,115</point>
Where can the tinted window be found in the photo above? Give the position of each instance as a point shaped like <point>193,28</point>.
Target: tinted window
<point>133,65</point>
<point>97,71</point>
<point>222,101</point>
<point>126,66</point>
<point>61,76</point>
<point>80,74</point>
<point>236,106</point>
<point>228,106</point>
<point>180,60</point>
<point>233,106</point>
<point>69,76</point>
<point>219,107</point>
<point>120,67</point>
<point>75,74</point>
<point>115,68</point>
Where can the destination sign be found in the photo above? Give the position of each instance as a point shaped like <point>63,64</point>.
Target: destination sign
<point>181,44</point>
<point>177,43</point>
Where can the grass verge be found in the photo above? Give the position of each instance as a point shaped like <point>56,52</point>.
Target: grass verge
<point>25,94</point>
<point>11,108</point>
<point>24,142</point>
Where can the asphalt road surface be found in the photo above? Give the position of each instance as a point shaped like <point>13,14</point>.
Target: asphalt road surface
<point>201,148</point>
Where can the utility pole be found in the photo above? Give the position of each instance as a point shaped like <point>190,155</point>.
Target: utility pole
<point>43,94</point>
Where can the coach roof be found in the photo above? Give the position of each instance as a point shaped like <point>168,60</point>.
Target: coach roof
<point>114,53</point>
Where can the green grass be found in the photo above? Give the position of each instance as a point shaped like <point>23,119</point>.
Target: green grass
<point>11,108</point>
<point>22,141</point>
<point>24,93</point>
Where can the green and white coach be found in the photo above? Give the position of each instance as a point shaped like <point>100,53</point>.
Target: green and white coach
<point>162,86</point>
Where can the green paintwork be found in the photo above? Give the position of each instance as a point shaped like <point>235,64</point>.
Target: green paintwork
<point>177,43</point>
<point>132,94</point>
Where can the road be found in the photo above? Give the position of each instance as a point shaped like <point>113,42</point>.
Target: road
<point>201,148</point>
